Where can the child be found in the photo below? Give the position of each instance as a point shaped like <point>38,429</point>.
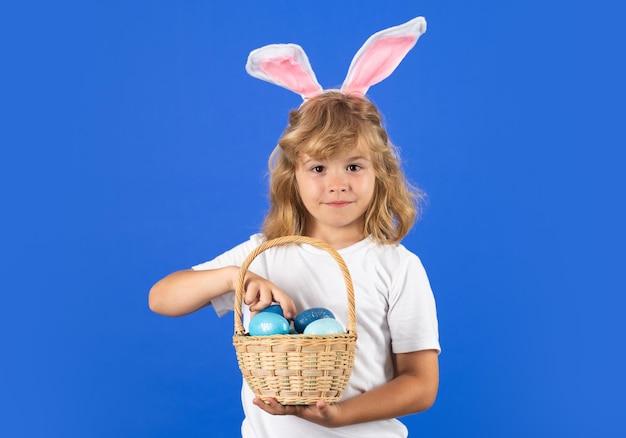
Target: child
<point>335,177</point>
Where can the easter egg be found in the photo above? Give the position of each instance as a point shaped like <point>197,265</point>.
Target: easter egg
<point>324,326</point>
<point>267,324</point>
<point>306,317</point>
<point>274,308</point>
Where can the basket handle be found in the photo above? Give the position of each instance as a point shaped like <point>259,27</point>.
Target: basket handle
<point>284,241</point>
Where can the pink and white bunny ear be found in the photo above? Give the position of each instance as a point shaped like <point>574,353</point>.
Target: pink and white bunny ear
<point>381,54</point>
<point>285,65</point>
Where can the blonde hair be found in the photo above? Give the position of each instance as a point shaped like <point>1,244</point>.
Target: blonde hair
<point>322,127</point>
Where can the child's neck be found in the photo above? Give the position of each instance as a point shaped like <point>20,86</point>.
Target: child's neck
<point>337,239</point>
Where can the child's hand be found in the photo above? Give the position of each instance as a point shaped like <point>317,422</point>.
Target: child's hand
<point>325,414</point>
<point>259,293</point>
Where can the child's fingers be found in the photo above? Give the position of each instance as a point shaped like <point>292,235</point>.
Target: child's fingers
<point>322,406</point>
<point>260,295</point>
<point>286,303</point>
<point>252,293</point>
<point>266,405</point>
<point>265,298</point>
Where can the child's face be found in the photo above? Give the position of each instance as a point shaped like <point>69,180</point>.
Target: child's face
<point>341,178</point>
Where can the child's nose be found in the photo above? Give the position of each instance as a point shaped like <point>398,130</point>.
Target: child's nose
<point>338,188</point>
<point>337,184</point>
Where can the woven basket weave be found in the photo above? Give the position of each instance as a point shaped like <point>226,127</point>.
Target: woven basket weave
<point>296,369</point>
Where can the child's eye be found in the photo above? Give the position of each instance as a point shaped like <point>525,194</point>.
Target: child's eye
<point>322,167</point>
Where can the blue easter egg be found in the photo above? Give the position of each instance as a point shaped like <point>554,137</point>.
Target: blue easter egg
<point>274,308</point>
<point>267,324</point>
<point>306,317</point>
<point>324,326</point>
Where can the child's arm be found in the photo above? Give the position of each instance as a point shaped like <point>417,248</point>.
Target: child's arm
<point>413,389</point>
<point>186,291</point>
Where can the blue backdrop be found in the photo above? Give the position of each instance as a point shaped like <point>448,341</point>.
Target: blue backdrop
<point>134,144</point>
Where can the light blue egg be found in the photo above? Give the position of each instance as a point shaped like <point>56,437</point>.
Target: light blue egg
<point>267,324</point>
<point>324,326</point>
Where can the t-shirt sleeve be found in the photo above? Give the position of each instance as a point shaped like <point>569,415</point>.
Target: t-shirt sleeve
<point>234,256</point>
<point>412,314</point>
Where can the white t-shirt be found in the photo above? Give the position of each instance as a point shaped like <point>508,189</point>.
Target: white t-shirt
<point>395,310</point>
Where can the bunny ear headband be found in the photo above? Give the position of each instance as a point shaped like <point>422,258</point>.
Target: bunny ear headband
<point>286,65</point>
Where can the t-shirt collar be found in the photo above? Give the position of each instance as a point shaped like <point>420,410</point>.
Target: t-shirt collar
<point>343,251</point>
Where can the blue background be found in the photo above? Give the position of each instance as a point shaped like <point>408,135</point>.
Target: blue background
<point>134,144</point>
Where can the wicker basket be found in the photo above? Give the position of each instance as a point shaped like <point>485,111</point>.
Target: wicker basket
<point>296,369</point>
